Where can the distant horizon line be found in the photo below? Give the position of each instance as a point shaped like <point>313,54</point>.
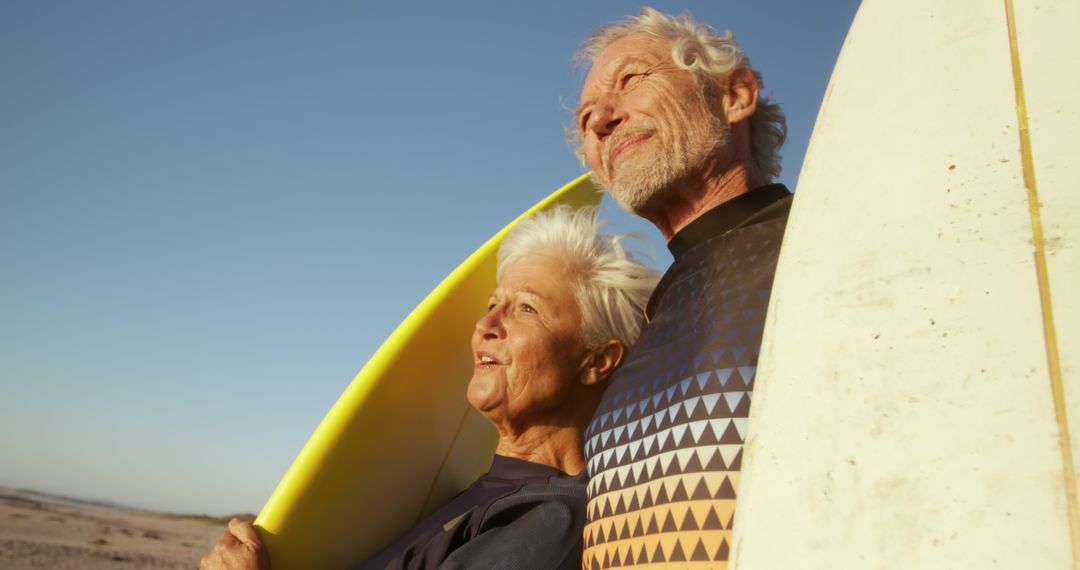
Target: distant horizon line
<point>21,493</point>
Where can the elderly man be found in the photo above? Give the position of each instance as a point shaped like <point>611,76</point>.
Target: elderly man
<point>672,123</point>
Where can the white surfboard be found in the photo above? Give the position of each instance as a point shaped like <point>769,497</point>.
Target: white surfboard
<point>919,373</point>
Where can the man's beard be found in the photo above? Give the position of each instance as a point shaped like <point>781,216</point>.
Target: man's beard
<point>640,179</point>
<point>634,184</point>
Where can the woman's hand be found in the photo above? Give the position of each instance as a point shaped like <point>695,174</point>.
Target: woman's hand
<point>238,549</point>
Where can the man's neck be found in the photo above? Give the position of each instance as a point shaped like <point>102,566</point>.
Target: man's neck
<point>683,203</point>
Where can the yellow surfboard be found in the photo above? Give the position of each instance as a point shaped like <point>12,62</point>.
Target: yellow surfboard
<point>401,440</point>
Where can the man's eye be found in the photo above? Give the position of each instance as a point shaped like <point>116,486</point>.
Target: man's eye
<point>527,308</point>
<point>630,79</point>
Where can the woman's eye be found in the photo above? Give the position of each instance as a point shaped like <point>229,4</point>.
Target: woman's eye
<point>630,78</point>
<point>527,308</point>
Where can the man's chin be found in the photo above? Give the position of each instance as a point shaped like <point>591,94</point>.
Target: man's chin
<point>631,199</point>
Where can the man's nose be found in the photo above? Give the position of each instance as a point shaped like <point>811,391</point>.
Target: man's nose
<point>607,114</point>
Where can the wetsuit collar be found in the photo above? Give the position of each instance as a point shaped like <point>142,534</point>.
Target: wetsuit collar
<point>725,217</point>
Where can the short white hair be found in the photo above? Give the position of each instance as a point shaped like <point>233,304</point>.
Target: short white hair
<point>711,57</point>
<point>611,287</point>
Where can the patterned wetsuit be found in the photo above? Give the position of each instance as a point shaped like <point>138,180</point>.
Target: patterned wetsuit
<point>665,447</point>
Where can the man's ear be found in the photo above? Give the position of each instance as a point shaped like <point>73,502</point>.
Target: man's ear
<point>740,95</point>
<point>603,361</point>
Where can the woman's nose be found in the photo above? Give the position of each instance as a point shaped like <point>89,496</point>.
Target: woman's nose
<point>490,325</point>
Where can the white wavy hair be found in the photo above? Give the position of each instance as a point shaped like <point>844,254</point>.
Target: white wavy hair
<point>710,56</point>
<point>611,287</point>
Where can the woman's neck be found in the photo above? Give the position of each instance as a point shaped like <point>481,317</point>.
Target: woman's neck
<point>558,447</point>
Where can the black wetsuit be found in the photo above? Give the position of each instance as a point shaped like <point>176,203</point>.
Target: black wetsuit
<point>517,516</point>
<point>665,446</point>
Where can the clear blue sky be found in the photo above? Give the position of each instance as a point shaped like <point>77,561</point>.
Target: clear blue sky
<point>212,213</point>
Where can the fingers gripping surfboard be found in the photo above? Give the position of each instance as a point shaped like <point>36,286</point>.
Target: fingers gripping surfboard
<point>402,439</point>
<point>918,396</point>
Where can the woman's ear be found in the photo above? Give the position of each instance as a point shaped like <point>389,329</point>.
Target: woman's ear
<point>603,361</point>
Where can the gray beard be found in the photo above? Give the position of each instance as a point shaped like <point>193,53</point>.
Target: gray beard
<point>635,187</point>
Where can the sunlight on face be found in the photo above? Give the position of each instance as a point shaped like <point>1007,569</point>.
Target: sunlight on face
<point>645,122</point>
<point>528,350</point>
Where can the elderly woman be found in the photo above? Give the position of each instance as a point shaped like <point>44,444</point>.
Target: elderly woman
<point>568,304</point>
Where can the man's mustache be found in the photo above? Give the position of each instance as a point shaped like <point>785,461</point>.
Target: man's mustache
<point>613,142</point>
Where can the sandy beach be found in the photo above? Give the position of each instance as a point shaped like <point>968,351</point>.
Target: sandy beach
<point>43,531</point>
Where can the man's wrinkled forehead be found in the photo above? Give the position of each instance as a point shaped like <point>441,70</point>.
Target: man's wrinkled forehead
<point>636,49</point>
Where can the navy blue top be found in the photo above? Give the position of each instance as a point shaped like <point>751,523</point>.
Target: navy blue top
<point>519,515</point>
